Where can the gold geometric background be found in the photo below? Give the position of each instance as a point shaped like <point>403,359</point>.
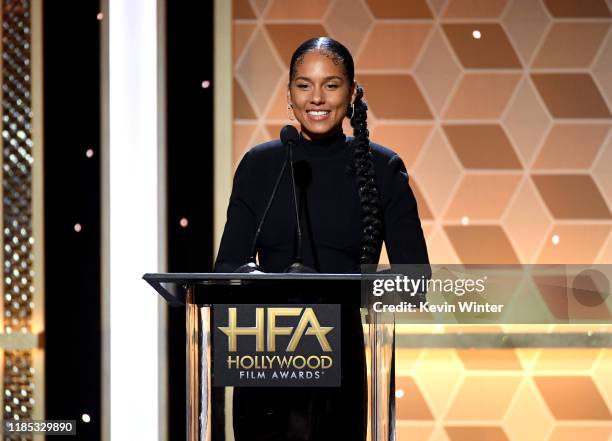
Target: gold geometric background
<point>508,145</point>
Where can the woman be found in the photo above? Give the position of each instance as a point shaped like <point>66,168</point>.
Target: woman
<point>352,195</point>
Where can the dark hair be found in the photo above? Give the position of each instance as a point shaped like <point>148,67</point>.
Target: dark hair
<point>362,166</point>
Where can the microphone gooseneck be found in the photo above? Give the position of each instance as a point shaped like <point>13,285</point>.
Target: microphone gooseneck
<point>251,265</point>
<point>298,227</point>
<point>289,137</point>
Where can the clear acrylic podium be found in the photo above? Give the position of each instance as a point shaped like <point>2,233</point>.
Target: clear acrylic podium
<point>365,334</point>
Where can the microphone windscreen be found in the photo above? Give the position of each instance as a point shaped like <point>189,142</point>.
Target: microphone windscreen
<point>289,134</point>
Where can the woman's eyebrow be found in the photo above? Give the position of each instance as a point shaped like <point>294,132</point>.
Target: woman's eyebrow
<point>332,77</point>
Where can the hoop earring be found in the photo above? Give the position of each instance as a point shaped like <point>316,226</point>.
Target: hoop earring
<point>350,112</point>
<point>290,113</point>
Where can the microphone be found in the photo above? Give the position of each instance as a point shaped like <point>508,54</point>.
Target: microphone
<point>251,265</point>
<point>289,137</point>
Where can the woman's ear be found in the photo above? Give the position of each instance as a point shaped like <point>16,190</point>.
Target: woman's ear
<point>353,91</point>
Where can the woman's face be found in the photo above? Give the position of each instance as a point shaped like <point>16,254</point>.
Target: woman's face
<point>319,94</point>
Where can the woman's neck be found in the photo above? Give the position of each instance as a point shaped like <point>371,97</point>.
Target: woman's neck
<point>327,147</point>
<point>315,137</point>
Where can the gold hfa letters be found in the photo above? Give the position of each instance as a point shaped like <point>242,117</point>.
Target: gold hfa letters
<point>308,325</point>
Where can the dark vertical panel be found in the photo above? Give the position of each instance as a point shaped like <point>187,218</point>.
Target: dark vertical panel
<point>189,61</point>
<point>72,195</point>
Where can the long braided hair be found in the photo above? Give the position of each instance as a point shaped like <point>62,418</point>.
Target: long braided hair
<point>362,166</point>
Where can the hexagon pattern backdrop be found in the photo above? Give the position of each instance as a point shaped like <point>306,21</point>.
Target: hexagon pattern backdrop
<point>501,110</point>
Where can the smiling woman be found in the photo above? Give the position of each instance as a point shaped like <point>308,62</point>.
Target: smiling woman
<point>358,189</point>
<point>319,95</point>
<point>352,195</point>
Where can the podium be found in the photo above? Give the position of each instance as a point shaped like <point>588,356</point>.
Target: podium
<point>283,356</point>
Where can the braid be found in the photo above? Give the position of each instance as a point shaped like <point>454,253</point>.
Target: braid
<point>363,168</point>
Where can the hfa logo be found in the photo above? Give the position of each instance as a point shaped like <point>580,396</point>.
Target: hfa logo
<point>281,345</point>
<point>265,336</point>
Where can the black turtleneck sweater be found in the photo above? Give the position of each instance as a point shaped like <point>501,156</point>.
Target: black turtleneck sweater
<point>329,208</point>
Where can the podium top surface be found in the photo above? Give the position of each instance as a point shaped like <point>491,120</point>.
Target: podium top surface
<point>181,280</point>
<point>224,277</point>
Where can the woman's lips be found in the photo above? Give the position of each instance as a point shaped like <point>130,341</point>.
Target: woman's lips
<point>318,117</point>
